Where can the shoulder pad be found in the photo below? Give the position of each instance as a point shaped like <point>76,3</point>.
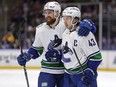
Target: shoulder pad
<point>39,25</point>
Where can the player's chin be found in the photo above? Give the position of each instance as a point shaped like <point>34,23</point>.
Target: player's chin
<point>67,26</point>
<point>50,22</point>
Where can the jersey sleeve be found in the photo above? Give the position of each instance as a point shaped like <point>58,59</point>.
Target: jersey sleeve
<point>91,50</point>
<point>37,47</point>
<point>89,45</point>
<point>35,52</point>
<point>37,42</point>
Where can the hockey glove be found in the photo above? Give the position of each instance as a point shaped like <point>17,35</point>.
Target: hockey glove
<point>26,56</point>
<point>85,27</point>
<point>89,77</point>
<point>23,58</point>
<point>53,55</point>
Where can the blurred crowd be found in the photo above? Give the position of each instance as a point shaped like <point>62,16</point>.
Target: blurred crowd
<point>24,17</point>
<point>20,32</point>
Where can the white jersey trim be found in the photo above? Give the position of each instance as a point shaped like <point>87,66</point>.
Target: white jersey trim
<point>52,71</point>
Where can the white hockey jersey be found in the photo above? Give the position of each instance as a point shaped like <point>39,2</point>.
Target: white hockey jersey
<point>85,47</point>
<point>44,36</point>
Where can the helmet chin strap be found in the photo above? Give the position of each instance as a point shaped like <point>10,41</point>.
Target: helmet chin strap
<point>73,24</point>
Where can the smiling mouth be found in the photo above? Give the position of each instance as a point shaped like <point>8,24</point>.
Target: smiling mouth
<point>48,19</point>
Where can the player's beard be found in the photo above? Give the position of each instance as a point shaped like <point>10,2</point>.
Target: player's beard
<point>50,20</point>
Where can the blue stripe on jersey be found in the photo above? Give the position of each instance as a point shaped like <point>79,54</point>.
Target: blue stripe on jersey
<point>66,60</point>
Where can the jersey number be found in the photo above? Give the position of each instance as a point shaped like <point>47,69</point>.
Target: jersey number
<point>91,42</point>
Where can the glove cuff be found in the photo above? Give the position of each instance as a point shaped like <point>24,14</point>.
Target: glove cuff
<point>93,64</point>
<point>33,53</point>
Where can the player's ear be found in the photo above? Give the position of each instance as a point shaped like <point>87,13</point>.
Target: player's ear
<point>56,14</point>
<point>75,20</point>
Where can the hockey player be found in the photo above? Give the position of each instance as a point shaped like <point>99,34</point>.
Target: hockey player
<point>81,55</point>
<point>48,41</point>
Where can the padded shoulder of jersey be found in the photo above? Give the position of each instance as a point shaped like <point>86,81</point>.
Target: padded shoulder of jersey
<point>41,27</point>
<point>81,38</point>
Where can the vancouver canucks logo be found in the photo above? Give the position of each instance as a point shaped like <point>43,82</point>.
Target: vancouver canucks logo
<point>66,49</point>
<point>67,53</point>
<point>55,43</point>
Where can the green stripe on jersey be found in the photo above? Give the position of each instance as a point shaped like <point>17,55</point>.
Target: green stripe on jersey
<point>39,50</point>
<point>77,69</point>
<point>96,57</point>
<point>52,64</point>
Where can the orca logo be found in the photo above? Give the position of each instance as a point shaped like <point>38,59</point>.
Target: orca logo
<point>55,43</point>
<point>67,53</point>
<point>66,49</point>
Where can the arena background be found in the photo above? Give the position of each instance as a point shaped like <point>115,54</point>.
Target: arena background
<point>13,12</point>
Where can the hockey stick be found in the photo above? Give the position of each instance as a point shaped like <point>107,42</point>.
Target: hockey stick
<point>21,49</point>
<point>80,64</point>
